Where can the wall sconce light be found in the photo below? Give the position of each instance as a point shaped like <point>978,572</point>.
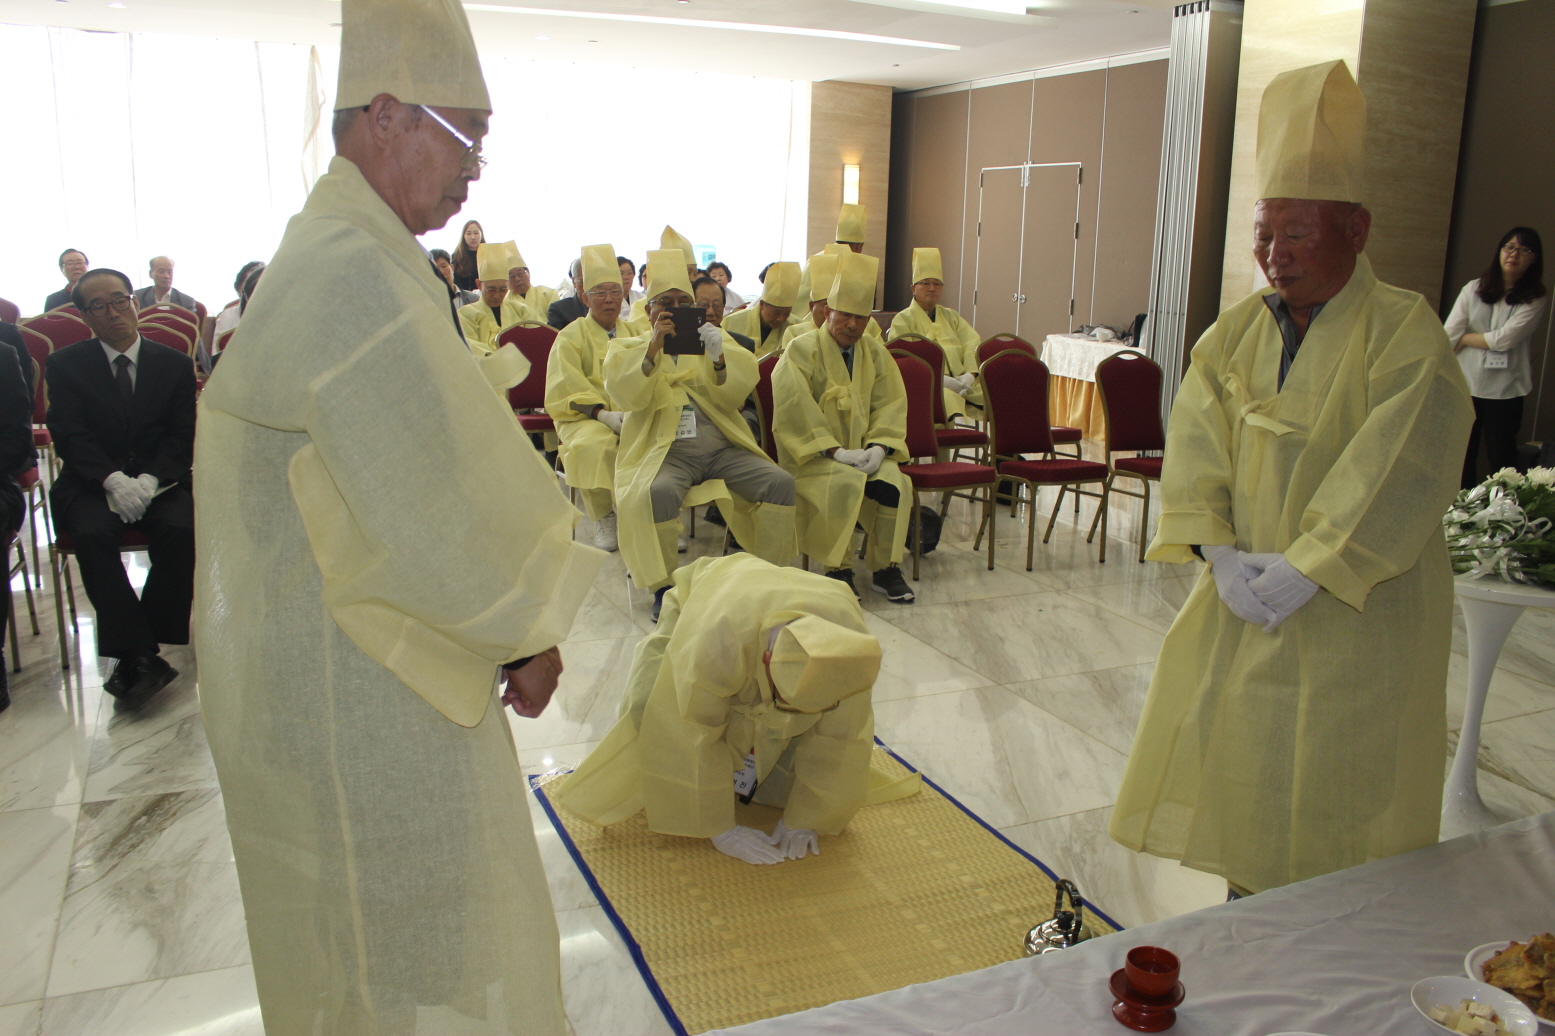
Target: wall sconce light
<point>850,185</point>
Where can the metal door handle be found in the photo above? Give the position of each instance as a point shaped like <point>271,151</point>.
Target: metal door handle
<point>1015,297</point>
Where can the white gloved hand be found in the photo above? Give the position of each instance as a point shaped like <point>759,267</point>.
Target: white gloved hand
<point>712,341</point>
<point>968,379</point>
<point>748,844</point>
<point>1279,585</point>
<point>611,419</point>
<point>128,495</point>
<point>954,385</point>
<point>852,458</point>
<point>1231,578</point>
<point>149,484</point>
<point>873,458</point>
<point>796,844</point>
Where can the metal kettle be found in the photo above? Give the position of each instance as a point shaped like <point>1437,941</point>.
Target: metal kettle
<point>1065,928</point>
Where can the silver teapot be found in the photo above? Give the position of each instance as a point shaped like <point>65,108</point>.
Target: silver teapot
<point>1065,928</point>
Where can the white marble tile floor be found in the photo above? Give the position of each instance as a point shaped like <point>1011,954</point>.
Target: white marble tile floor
<point>1017,691</point>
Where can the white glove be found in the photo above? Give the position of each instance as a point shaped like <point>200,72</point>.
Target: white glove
<point>1279,585</point>
<point>1231,578</point>
<point>149,485</point>
<point>852,458</point>
<point>712,341</point>
<point>611,419</point>
<point>748,844</point>
<point>128,495</point>
<point>873,458</point>
<point>796,845</point>
<point>954,385</point>
<point>968,379</point>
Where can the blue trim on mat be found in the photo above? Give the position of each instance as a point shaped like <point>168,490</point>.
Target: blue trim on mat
<point>636,951</point>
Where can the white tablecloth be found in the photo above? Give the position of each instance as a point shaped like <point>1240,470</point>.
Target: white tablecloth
<point>1076,356</point>
<point>1334,955</point>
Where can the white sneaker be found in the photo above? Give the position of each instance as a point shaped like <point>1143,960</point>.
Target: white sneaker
<point>681,543</point>
<point>605,533</point>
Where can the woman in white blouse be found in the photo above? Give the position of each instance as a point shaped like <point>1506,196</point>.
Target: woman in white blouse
<point>1490,327</point>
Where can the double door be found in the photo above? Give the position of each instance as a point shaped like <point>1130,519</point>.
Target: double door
<point>1028,231</point>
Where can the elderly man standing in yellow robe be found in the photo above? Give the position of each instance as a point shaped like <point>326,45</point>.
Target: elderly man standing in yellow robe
<point>840,421</point>
<point>943,326</point>
<point>1296,722</point>
<point>756,684</point>
<point>526,300</point>
<point>483,320</point>
<point>684,441</point>
<point>766,322</point>
<point>377,541</point>
<point>587,422</point>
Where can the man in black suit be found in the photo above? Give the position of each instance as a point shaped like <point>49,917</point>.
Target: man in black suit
<point>72,263</point>
<point>565,311</point>
<point>17,454</point>
<point>161,289</point>
<point>121,410</point>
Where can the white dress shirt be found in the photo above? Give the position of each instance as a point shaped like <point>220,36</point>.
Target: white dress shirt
<point>1508,331</point>
<point>133,352</point>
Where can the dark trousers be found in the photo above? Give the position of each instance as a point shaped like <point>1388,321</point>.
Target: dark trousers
<point>127,625</point>
<point>1498,421</point>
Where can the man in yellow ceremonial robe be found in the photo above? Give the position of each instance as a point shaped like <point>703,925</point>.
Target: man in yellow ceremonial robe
<point>840,421</point>
<point>526,300</point>
<point>669,238</point>
<point>926,318</point>
<point>376,541</point>
<point>756,684</point>
<point>1296,721</point>
<point>587,422</point>
<point>482,321</point>
<point>766,322</point>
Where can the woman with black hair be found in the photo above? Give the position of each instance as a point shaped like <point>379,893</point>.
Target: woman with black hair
<point>1490,327</point>
<point>470,239</point>
<point>721,276</point>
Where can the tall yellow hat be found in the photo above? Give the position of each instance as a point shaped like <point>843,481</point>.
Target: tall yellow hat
<point>823,270</point>
<point>854,289</point>
<point>515,257</point>
<point>782,284</point>
<point>420,51</point>
<point>671,238</point>
<point>600,266</point>
<point>816,663</point>
<point>666,270</point>
<point>926,265</point>
<point>851,221</point>
<point>1312,135</point>
<point>835,248</point>
<point>491,261</point>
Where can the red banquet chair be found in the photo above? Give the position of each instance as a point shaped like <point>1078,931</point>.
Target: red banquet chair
<point>166,317</point>
<point>534,341</point>
<point>764,368</point>
<point>168,336</point>
<point>1063,435</point>
<point>1015,384</point>
<point>61,329</point>
<point>60,552</point>
<point>1130,387</point>
<point>950,436</point>
<point>39,349</point>
<point>922,386</point>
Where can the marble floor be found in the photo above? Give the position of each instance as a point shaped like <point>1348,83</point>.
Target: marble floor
<point>1017,691</point>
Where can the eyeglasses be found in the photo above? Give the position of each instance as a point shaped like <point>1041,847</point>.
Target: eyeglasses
<point>119,303</point>
<point>472,157</point>
<point>1516,250</point>
<point>605,294</point>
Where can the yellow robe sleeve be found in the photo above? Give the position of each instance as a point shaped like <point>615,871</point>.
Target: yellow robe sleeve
<point>573,375</point>
<point>831,762</point>
<point>798,423</point>
<point>480,330</point>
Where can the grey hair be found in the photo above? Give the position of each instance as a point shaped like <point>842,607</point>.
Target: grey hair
<point>576,269</point>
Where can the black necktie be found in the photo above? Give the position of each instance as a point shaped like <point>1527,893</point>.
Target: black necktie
<point>122,378</point>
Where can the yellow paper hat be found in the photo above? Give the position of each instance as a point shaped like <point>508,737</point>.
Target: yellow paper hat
<point>850,224</point>
<point>491,261</point>
<point>816,663</point>
<point>1312,135</point>
<point>926,265</point>
<point>666,270</point>
<point>854,289</point>
<point>835,248</point>
<point>823,270</point>
<point>515,257</point>
<point>782,284</point>
<point>600,266</point>
<point>671,238</point>
<point>419,51</point>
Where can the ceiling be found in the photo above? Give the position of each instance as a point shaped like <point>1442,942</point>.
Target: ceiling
<point>987,44</point>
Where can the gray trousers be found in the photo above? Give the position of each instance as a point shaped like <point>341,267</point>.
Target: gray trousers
<point>710,455</point>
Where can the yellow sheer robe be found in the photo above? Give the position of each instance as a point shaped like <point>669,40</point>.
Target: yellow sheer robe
<point>536,306</point>
<point>806,323</point>
<point>575,374</point>
<point>653,407</point>
<point>957,338</point>
<point>375,536</point>
<point>747,322</point>
<point>697,701</point>
<point>480,327</point>
<point>1274,757</point>
<point>817,406</point>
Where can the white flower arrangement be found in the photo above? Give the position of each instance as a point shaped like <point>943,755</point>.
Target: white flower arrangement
<point>1505,526</point>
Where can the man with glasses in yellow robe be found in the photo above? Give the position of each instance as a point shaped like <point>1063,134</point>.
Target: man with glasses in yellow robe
<point>840,421</point>
<point>526,300</point>
<point>484,320</point>
<point>669,238</point>
<point>943,326</point>
<point>1296,722</point>
<point>769,319</point>
<point>377,541</point>
<point>821,272</point>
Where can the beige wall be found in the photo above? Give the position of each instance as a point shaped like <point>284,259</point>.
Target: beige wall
<point>850,124</point>
<point>1410,58</point>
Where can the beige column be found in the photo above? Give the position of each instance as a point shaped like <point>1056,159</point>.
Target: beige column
<point>1411,59</point>
<point>850,124</point>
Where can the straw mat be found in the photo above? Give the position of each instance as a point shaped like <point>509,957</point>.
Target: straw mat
<point>914,890</point>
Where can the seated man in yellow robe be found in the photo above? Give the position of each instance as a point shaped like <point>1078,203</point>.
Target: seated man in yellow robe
<point>482,320</point>
<point>772,315</point>
<point>943,326</point>
<point>588,424</point>
<point>669,238</point>
<point>756,685</point>
<point>526,300</point>
<point>840,421</point>
<point>821,271</point>
<point>1296,721</point>
<point>683,429</point>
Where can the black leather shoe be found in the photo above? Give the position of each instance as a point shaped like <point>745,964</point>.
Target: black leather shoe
<point>658,601</point>
<point>155,674</point>
<point>125,672</point>
<point>844,575</point>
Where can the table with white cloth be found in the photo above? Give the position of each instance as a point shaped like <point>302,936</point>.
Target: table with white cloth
<point>1072,400</point>
<point>1335,955</point>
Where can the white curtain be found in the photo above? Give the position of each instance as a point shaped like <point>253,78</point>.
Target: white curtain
<point>131,145</point>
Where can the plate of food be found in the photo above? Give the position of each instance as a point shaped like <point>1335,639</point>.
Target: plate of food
<point>1467,1007</point>
<point>1526,970</point>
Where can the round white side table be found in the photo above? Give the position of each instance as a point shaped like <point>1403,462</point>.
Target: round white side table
<point>1491,607</point>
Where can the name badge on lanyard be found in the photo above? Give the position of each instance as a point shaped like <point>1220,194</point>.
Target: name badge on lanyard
<point>745,779</point>
<point>687,429</point>
<point>1495,361</point>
